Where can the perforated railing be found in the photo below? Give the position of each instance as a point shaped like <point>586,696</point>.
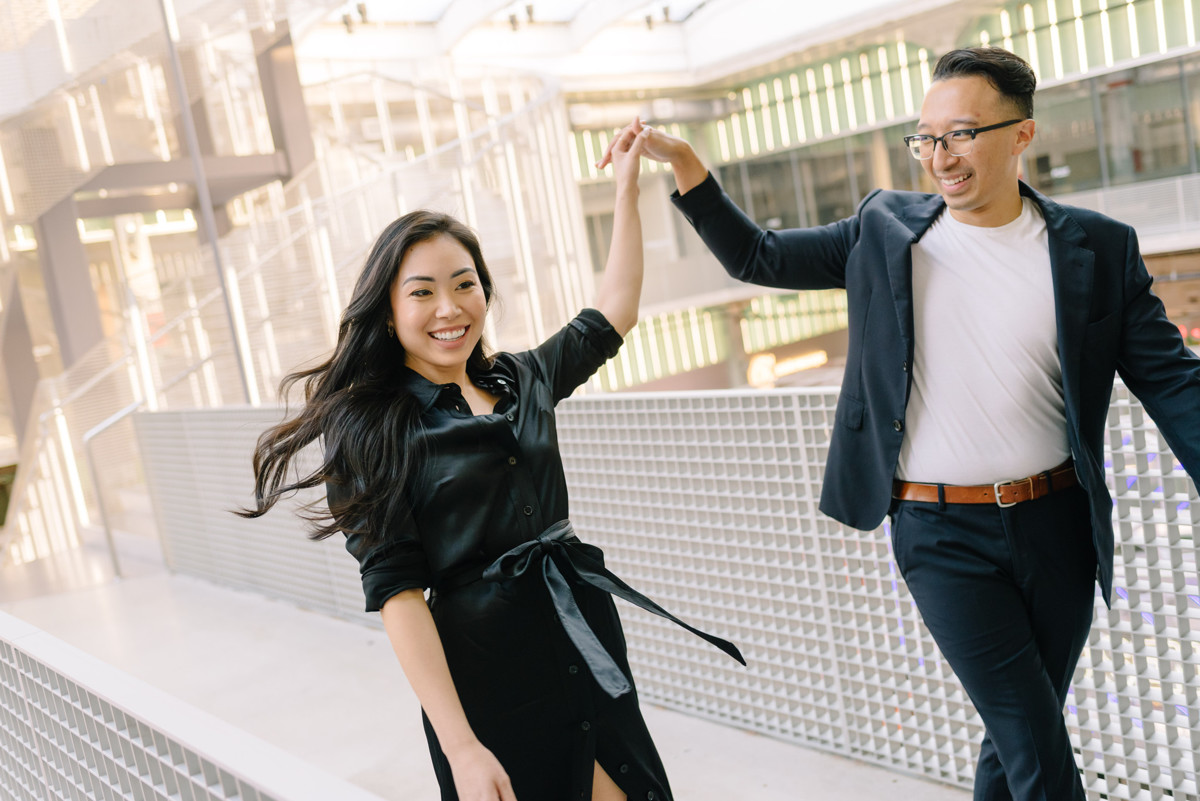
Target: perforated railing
<point>75,729</point>
<point>708,503</point>
<point>1167,208</point>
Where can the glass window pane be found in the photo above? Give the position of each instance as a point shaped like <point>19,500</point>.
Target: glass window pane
<point>1065,154</point>
<point>858,156</point>
<point>1192,76</point>
<point>1144,128</point>
<point>773,191</point>
<point>904,172</point>
<point>730,177</point>
<point>825,179</point>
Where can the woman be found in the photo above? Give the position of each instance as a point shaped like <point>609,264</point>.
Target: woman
<point>442,468</point>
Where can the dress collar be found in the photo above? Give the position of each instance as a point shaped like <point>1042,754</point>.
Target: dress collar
<point>427,393</point>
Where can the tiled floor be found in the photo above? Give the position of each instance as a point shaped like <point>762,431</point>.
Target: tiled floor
<point>330,691</point>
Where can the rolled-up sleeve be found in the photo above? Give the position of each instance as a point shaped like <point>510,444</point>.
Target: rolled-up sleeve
<point>391,566</point>
<point>575,353</point>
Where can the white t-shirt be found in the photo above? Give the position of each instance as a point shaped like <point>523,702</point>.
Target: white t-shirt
<point>987,399</point>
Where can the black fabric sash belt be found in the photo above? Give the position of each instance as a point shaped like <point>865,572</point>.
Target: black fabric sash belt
<point>559,554</point>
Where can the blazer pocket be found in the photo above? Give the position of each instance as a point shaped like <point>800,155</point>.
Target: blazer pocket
<point>1101,342</point>
<point>1100,327</point>
<point>849,412</point>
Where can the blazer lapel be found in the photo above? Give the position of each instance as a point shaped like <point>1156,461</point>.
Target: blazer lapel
<point>1072,270</point>
<point>903,230</point>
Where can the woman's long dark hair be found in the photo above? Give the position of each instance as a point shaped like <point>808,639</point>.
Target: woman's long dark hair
<point>354,400</point>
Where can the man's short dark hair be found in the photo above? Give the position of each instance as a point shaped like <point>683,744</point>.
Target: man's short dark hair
<point>1007,72</point>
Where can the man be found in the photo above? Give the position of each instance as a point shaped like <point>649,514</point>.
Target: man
<point>986,325</point>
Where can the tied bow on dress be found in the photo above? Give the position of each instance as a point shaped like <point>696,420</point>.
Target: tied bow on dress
<point>560,554</point>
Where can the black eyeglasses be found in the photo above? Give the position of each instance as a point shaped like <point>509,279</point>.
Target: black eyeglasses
<point>956,143</point>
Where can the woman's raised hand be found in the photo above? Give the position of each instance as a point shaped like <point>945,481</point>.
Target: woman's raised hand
<point>478,775</point>
<point>625,151</point>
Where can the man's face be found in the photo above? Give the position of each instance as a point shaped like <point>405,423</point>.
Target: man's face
<point>980,188</point>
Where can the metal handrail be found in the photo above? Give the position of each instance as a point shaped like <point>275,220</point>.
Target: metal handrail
<point>433,90</point>
<point>91,434</point>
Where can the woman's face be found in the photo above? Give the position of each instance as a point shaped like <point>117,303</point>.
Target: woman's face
<point>438,308</point>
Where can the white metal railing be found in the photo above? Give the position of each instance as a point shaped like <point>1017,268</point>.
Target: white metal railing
<point>707,501</point>
<point>1166,210</point>
<point>75,728</point>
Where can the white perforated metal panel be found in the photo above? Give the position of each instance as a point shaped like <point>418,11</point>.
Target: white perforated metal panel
<point>707,502</point>
<point>75,729</point>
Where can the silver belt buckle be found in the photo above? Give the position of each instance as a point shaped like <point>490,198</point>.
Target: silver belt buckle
<point>998,484</point>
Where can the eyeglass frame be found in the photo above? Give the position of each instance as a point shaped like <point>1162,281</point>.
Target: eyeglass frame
<point>908,140</point>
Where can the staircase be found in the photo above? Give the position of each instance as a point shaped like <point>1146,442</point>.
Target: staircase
<point>290,265</point>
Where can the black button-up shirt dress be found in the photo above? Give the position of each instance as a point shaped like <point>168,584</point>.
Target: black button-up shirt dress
<point>494,482</point>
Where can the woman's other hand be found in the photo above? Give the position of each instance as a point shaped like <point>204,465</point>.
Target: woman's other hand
<point>478,775</point>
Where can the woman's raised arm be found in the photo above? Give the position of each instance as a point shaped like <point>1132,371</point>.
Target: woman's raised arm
<point>621,285</point>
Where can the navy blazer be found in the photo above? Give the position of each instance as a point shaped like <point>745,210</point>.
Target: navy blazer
<point>1108,322</point>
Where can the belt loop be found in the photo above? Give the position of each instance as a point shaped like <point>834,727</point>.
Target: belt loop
<point>941,497</point>
<point>1049,482</point>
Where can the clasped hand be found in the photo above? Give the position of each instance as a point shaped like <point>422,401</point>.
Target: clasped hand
<point>625,150</point>
<point>650,142</point>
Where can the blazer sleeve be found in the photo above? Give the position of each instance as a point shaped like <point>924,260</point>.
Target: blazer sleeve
<point>1157,366</point>
<point>796,258</point>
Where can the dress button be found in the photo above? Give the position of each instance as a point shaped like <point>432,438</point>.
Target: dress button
<point>650,796</point>
<point>528,510</point>
<point>898,425</point>
<point>512,460</point>
<point>509,417</point>
<point>624,768</point>
<point>585,726</point>
<point>573,669</point>
<point>904,367</point>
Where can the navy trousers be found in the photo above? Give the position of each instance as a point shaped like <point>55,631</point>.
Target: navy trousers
<point>1007,594</point>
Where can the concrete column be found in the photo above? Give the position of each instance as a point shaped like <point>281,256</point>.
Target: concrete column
<point>193,69</point>
<point>881,162</point>
<point>283,96</point>
<point>20,368</point>
<point>64,265</point>
<point>738,362</point>
<point>1124,155</point>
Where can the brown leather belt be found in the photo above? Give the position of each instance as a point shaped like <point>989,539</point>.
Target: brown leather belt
<point>1002,493</point>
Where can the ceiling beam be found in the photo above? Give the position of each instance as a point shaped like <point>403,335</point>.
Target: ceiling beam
<point>463,15</point>
<point>596,15</point>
